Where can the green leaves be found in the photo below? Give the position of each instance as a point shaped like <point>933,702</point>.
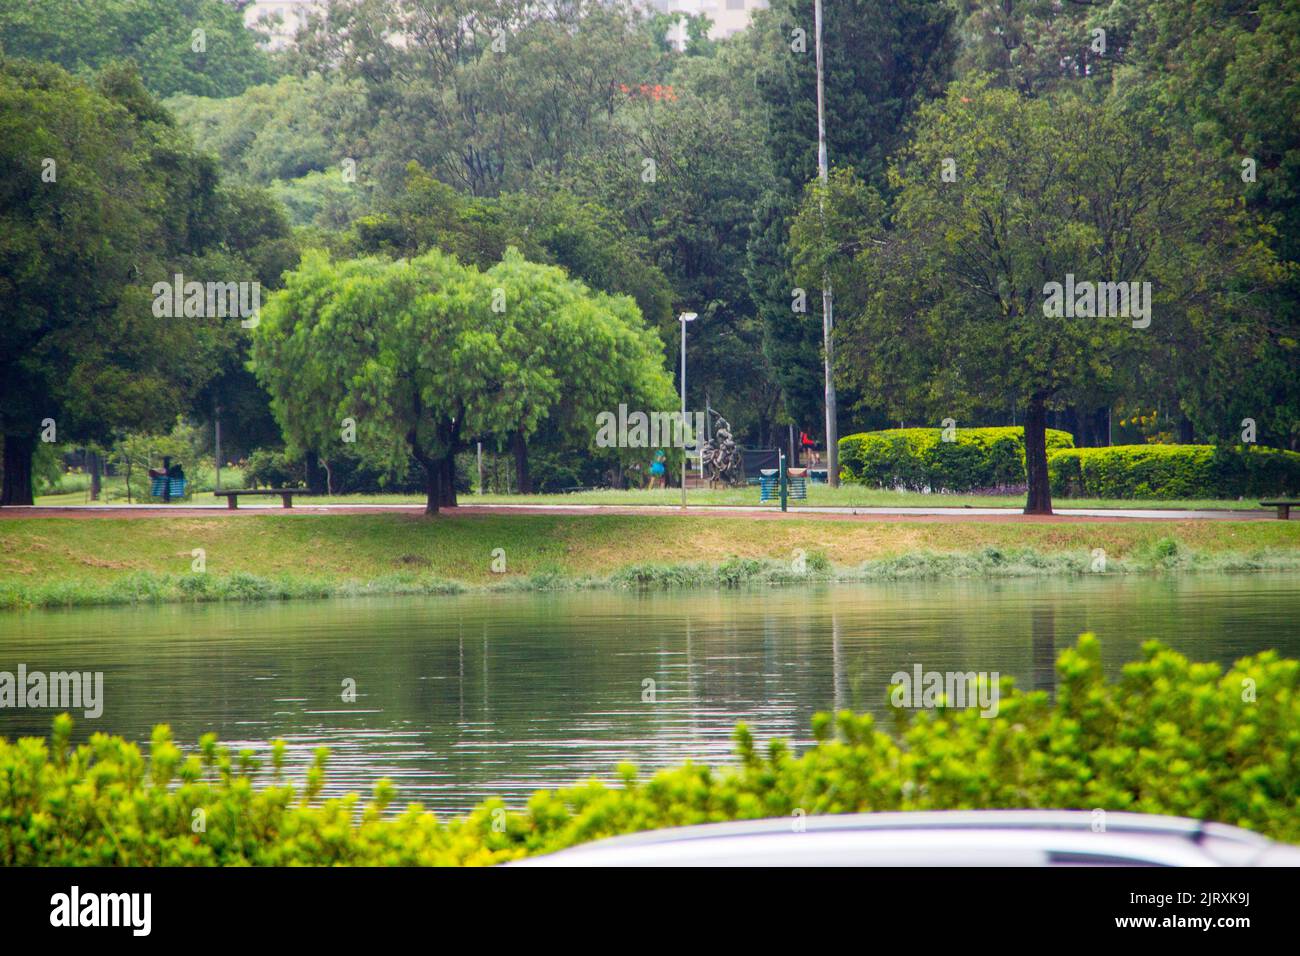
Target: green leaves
<point>106,198</point>
<point>1170,736</point>
<point>918,459</point>
<point>427,353</point>
<point>157,34</point>
<point>1174,471</point>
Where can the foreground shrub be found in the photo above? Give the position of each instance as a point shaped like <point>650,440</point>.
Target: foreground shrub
<point>1174,471</point>
<point>917,459</point>
<point>1169,737</point>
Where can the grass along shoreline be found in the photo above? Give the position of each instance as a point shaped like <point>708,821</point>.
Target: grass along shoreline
<point>47,563</point>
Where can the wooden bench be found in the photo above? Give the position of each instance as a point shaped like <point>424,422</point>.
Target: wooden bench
<point>1283,507</point>
<point>286,495</point>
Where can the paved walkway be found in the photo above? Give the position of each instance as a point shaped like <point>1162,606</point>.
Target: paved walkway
<point>728,511</point>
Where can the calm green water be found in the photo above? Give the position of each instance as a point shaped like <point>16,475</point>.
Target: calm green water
<point>463,698</point>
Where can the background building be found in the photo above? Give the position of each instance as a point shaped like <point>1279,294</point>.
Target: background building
<point>290,13</point>
<point>728,16</point>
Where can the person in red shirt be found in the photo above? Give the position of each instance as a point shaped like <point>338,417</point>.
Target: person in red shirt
<point>811,446</point>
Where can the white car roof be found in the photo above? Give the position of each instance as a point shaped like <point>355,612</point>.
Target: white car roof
<point>936,838</point>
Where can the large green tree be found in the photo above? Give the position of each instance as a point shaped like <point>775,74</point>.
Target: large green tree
<point>553,227</point>
<point>683,173</point>
<point>881,62</point>
<point>1000,196</point>
<point>179,46</point>
<point>276,131</point>
<point>414,358</point>
<point>485,93</point>
<point>1230,73</point>
<point>104,198</point>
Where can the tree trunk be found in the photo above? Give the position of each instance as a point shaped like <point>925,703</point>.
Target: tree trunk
<point>1072,421</point>
<point>1101,427</point>
<point>1039,500</point>
<point>447,481</point>
<point>432,468</point>
<point>92,460</point>
<point>317,481</point>
<point>17,488</point>
<point>1185,433</point>
<point>432,484</point>
<point>519,445</point>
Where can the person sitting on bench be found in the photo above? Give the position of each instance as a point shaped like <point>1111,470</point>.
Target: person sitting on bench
<point>168,470</point>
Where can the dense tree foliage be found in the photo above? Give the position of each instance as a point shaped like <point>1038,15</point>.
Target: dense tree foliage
<point>417,357</point>
<point>107,197</point>
<point>473,91</point>
<point>278,131</point>
<point>953,300</point>
<point>179,46</point>
<point>645,159</point>
<point>868,102</point>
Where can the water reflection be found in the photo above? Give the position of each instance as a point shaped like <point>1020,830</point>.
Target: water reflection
<point>462,698</point>
<point>1043,640</point>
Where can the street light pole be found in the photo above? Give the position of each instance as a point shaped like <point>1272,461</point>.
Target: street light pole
<point>684,318</point>
<point>828,320</point>
<point>216,425</point>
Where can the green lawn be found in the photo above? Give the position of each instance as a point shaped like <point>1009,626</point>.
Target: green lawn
<point>75,488</point>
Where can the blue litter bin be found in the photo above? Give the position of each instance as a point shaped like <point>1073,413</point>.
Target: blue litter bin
<point>158,487</point>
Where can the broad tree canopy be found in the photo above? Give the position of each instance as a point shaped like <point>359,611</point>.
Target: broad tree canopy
<point>998,198</point>
<point>418,356</point>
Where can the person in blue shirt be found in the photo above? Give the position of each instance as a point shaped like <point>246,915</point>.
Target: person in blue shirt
<point>659,470</point>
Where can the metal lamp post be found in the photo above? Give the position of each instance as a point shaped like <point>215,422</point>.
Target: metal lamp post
<point>828,321</point>
<point>683,319</point>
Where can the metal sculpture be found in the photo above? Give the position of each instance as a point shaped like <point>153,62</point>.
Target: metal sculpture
<point>720,457</point>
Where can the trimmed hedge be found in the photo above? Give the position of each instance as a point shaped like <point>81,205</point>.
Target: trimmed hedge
<point>917,459</point>
<point>1174,471</point>
<point>1170,736</point>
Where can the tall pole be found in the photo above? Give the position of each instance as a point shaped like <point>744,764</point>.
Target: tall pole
<point>216,421</point>
<point>683,319</point>
<point>828,320</point>
<point>683,412</point>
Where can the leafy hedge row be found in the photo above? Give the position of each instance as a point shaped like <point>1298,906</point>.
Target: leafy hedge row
<point>1169,737</point>
<point>1174,471</point>
<point>917,459</point>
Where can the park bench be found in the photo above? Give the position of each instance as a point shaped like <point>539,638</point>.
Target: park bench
<point>1283,507</point>
<point>286,495</point>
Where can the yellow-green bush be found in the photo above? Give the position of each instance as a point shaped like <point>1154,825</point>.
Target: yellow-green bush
<point>1174,471</point>
<point>1169,737</point>
<point>917,459</point>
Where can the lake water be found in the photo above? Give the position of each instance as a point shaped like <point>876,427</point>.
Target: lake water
<point>462,698</point>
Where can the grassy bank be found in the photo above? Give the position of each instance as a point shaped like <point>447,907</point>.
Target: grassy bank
<point>265,557</point>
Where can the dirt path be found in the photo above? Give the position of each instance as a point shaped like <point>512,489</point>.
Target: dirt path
<point>1004,515</point>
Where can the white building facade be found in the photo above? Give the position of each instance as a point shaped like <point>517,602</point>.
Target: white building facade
<point>291,14</point>
<point>728,16</point>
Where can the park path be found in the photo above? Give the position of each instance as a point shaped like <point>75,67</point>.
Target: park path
<point>1007,515</point>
